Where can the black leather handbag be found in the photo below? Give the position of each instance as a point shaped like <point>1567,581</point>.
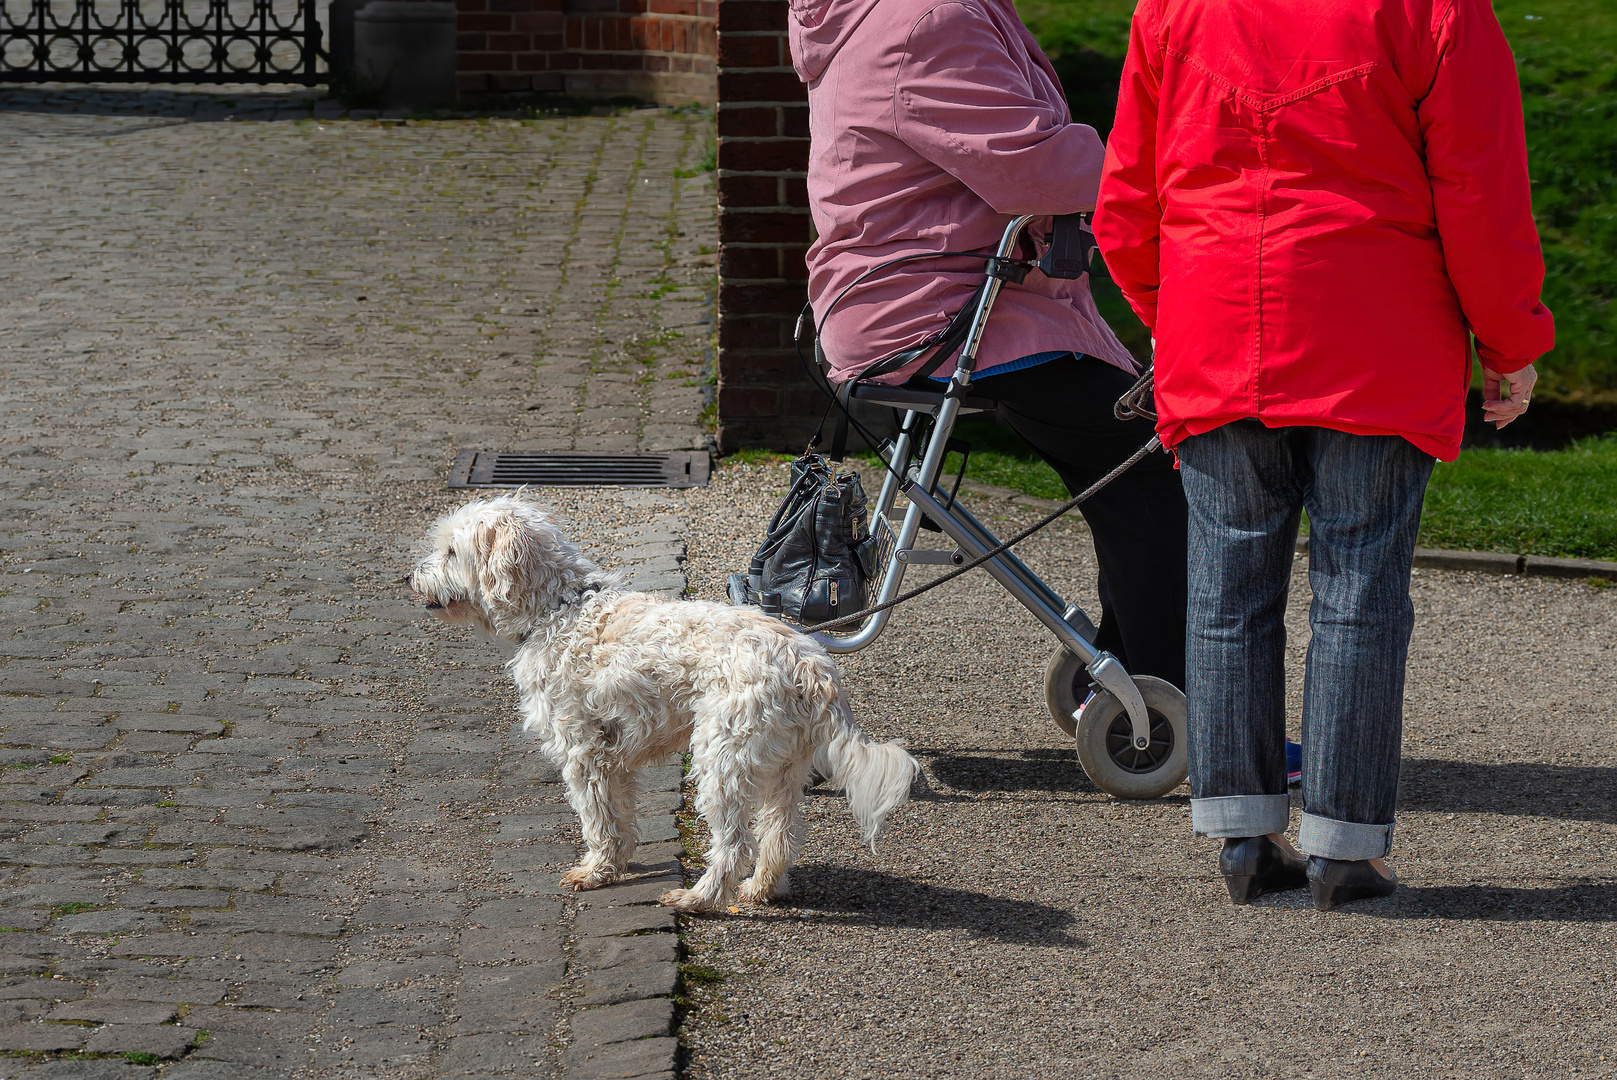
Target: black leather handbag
<point>815,562</point>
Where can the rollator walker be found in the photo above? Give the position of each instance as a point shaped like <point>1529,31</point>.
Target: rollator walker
<point>1131,734</point>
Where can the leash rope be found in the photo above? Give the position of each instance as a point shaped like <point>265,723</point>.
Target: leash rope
<point>1154,443</point>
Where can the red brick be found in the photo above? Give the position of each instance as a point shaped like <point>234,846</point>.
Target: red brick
<point>739,120</point>
<point>753,367</point>
<point>548,43</point>
<point>672,7</point>
<point>508,42</point>
<point>751,15</point>
<point>510,5</point>
<point>471,83</point>
<point>535,22</point>
<point>487,24</point>
<point>659,63</point>
<point>761,86</point>
<point>575,33</point>
<point>757,298</point>
<point>484,61</point>
<point>748,262</point>
<point>762,227</point>
<point>462,6</point>
<point>745,402</point>
<point>775,155</point>
<point>739,332</point>
<point>796,191</point>
<point>534,61</point>
<point>794,121</point>
<point>750,51</point>
<point>739,191</point>
<point>511,84</point>
<point>599,5</point>
<point>466,43</point>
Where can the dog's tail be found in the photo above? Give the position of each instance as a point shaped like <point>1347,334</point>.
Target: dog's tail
<point>876,777</point>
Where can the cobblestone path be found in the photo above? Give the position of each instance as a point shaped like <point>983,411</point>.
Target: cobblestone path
<point>258,819</point>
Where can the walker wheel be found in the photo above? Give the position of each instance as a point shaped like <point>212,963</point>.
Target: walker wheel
<point>1106,746</point>
<point>1066,684</point>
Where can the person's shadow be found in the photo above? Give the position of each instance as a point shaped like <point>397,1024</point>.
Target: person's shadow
<point>1511,788</point>
<point>1583,901</point>
<point>864,897</point>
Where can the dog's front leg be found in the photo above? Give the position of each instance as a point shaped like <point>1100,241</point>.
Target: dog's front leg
<point>603,796</point>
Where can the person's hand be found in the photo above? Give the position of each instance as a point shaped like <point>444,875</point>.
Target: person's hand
<point>1518,390</point>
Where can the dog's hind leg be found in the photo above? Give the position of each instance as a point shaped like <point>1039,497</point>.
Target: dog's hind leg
<point>780,836</point>
<point>723,802</point>
<point>604,799</point>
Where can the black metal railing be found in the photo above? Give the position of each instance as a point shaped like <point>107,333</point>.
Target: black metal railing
<point>181,41</point>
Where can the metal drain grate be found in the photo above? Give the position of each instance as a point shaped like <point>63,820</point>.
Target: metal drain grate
<point>483,468</point>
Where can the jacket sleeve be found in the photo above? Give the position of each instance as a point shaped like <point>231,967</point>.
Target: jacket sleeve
<point>1128,218</point>
<point>964,105</point>
<point>1476,158</point>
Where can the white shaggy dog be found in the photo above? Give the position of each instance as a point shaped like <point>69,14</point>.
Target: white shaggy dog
<point>611,680</point>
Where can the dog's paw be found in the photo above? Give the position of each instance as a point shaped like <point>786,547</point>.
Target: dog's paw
<point>754,893</point>
<point>686,900</point>
<point>581,878</point>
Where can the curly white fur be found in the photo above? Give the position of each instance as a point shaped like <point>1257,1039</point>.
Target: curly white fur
<point>611,680</point>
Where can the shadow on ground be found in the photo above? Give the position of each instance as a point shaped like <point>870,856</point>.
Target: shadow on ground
<point>1583,901</point>
<point>212,103</point>
<point>1021,770</point>
<point>1514,788</point>
<point>873,898</point>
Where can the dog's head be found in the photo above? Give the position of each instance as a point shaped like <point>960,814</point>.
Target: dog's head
<point>502,565</point>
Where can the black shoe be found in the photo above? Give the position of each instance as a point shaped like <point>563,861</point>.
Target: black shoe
<point>1254,865</point>
<point>1341,881</point>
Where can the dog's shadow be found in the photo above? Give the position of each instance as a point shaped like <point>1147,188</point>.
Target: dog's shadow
<point>864,897</point>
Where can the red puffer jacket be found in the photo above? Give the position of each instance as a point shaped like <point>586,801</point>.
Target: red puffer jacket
<point>1312,201</point>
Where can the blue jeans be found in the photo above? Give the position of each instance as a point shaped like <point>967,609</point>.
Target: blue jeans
<point>1247,486</point>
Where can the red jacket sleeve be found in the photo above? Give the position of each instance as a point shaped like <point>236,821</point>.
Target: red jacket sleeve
<point>1476,158</point>
<point>1128,216</point>
<point>964,105</point>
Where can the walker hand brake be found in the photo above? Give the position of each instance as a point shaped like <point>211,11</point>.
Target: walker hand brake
<point>1106,671</point>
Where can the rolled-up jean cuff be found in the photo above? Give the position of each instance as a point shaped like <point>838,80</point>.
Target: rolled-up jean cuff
<point>1240,815</point>
<point>1349,840</point>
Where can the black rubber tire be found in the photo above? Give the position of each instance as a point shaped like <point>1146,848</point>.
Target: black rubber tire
<point>1062,675</point>
<point>1106,752</point>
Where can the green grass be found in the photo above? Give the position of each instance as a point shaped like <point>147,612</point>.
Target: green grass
<point>1523,502</point>
<point>1566,56</point>
<point>1527,502</point>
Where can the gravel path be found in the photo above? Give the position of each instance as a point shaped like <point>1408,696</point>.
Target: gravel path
<point>1018,923</point>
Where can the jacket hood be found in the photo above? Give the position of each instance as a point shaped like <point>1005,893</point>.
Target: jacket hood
<point>819,28</point>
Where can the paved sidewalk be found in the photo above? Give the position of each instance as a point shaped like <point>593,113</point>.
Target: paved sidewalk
<point>259,818</point>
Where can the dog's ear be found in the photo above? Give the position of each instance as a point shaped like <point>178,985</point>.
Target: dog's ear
<point>505,555</point>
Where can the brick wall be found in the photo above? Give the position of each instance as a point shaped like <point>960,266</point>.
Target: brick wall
<point>655,50</point>
<point>764,399</point>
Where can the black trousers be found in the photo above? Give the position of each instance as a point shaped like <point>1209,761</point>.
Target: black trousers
<point>1063,408</point>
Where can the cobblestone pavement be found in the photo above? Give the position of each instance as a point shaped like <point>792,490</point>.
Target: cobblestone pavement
<point>259,819</point>
<point>1018,923</point>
